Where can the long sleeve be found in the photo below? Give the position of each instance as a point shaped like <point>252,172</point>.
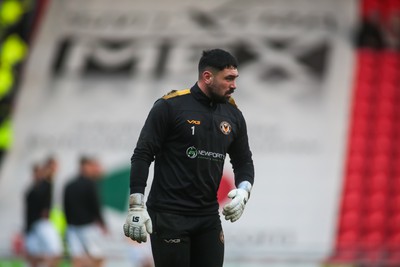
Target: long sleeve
<point>149,145</point>
<point>241,156</point>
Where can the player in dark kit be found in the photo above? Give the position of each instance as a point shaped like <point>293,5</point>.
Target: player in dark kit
<point>84,216</point>
<point>43,244</point>
<point>188,133</point>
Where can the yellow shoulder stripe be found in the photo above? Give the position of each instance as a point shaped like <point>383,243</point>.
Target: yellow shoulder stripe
<point>175,93</point>
<point>232,102</point>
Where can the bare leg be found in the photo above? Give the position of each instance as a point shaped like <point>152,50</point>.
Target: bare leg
<point>81,262</point>
<point>98,262</point>
<point>34,261</point>
<point>53,261</point>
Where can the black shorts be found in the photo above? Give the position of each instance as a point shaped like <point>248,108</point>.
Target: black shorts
<point>186,241</point>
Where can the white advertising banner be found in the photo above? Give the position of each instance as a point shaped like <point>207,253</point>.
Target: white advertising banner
<point>96,68</point>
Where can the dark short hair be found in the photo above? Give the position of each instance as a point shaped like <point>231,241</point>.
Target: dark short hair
<point>84,159</point>
<point>217,59</point>
<point>36,167</point>
<point>50,159</point>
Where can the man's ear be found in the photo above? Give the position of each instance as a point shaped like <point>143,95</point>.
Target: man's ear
<point>207,76</point>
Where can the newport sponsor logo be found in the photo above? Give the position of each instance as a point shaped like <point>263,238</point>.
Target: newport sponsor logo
<point>211,154</point>
<point>193,152</point>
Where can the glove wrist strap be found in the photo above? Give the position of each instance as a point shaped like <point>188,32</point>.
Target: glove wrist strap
<point>136,199</point>
<point>245,185</point>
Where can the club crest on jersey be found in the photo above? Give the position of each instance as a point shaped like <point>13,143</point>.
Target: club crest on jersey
<point>225,127</point>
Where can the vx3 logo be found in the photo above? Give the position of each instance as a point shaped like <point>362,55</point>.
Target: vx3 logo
<point>193,122</point>
<point>172,241</point>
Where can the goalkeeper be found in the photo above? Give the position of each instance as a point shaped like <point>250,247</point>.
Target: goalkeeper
<point>188,133</point>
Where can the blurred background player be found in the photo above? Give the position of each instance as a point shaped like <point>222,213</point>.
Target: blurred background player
<point>43,244</point>
<point>86,226</point>
<point>50,169</point>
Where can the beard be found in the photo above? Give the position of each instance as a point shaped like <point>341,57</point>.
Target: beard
<point>217,98</point>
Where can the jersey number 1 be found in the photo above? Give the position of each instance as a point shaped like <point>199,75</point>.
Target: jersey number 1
<point>192,130</point>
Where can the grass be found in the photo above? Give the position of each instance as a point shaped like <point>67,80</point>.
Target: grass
<point>22,263</point>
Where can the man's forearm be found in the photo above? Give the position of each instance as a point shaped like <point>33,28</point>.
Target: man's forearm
<point>138,176</point>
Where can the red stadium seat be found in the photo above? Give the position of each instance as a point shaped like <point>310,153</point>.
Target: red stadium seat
<point>377,202</point>
<point>358,144</point>
<point>350,221</point>
<point>386,109</point>
<point>360,127</point>
<point>373,239</point>
<point>384,122</point>
<point>381,160</point>
<point>394,242</point>
<point>394,224</point>
<point>365,89</point>
<point>362,110</point>
<point>395,185</point>
<point>387,89</point>
<point>354,182</point>
<point>394,206</point>
<point>356,162</point>
<point>379,184</point>
<point>352,202</point>
<point>390,57</point>
<point>382,145</point>
<point>375,221</point>
<point>388,73</point>
<point>396,161</point>
<point>348,240</point>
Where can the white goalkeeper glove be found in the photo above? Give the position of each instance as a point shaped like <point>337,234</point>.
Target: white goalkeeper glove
<point>138,222</point>
<point>234,209</point>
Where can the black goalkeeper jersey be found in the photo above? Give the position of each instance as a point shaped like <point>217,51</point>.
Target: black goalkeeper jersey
<point>189,137</point>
